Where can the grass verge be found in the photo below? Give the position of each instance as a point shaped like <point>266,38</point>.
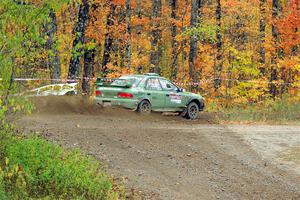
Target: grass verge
<point>279,111</point>
<point>33,168</point>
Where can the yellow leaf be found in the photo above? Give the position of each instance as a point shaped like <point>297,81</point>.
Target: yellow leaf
<point>16,168</point>
<point>6,161</point>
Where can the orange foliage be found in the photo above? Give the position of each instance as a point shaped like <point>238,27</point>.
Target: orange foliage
<point>241,78</point>
<point>288,26</point>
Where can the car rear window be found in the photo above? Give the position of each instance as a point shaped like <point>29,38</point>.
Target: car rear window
<point>134,80</point>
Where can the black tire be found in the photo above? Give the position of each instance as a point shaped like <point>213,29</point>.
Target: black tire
<point>144,107</point>
<point>192,111</point>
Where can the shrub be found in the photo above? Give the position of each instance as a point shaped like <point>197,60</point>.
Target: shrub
<point>37,169</point>
<point>2,191</point>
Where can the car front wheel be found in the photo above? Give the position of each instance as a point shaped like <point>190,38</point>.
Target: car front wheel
<point>192,111</point>
<point>144,107</point>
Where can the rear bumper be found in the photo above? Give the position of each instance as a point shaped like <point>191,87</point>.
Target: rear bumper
<point>126,103</point>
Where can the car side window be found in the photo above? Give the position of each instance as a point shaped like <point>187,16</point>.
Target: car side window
<point>153,84</point>
<point>142,83</point>
<point>167,85</point>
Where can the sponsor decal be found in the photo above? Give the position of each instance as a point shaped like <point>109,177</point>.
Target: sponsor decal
<point>175,98</point>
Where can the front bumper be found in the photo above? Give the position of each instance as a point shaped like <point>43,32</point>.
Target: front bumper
<point>126,103</point>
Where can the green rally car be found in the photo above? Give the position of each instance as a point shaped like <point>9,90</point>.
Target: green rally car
<point>146,93</point>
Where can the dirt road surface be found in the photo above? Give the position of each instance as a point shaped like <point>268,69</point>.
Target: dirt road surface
<point>167,157</point>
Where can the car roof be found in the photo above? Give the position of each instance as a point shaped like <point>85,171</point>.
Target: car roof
<point>143,75</point>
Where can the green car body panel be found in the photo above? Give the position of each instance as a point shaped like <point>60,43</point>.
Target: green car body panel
<point>128,91</point>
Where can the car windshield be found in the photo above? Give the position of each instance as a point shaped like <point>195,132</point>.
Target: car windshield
<point>132,79</point>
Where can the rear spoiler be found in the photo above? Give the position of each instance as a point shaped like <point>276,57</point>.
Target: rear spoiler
<point>104,81</point>
<point>107,82</point>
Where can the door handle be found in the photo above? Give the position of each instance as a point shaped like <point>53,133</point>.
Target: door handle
<point>167,95</point>
<point>148,93</point>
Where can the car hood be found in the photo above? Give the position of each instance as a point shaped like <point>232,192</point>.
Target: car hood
<point>193,95</point>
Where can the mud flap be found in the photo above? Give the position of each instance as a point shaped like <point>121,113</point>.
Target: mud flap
<point>183,113</point>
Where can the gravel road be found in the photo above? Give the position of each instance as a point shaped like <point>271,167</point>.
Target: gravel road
<point>167,157</point>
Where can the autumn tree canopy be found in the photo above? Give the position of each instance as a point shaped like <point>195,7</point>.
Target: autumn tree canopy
<point>242,51</point>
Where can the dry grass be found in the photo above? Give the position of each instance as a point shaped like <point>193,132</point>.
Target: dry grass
<point>278,111</point>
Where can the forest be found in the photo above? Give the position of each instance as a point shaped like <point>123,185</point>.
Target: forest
<point>231,51</point>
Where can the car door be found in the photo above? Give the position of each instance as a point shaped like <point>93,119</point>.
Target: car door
<point>156,95</point>
<point>173,97</point>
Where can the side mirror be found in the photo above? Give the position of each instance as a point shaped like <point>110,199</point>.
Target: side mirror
<point>181,90</point>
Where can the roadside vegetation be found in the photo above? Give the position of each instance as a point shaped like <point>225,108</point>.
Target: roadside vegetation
<point>280,111</point>
<point>33,168</point>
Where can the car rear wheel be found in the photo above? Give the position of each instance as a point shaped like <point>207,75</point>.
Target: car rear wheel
<point>144,107</point>
<point>192,111</point>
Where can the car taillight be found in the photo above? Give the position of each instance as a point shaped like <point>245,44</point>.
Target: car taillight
<point>125,95</point>
<point>98,93</point>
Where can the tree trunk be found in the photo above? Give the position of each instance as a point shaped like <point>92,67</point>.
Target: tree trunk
<point>108,43</point>
<point>89,56</point>
<point>128,31</point>
<point>139,9</point>
<point>5,98</point>
<point>139,33</point>
<point>79,33</point>
<point>262,35</point>
<point>119,47</point>
<point>53,55</point>
<point>195,14</point>
<point>174,67</point>
<point>219,61</point>
<point>156,49</point>
<point>275,35</point>
<point>296,48</point>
